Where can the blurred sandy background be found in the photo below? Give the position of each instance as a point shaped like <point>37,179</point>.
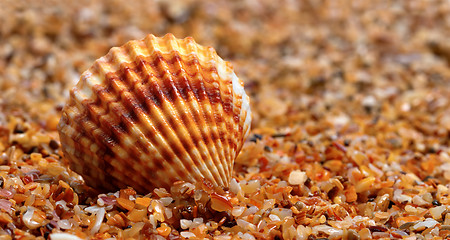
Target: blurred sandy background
<point>298,59</point>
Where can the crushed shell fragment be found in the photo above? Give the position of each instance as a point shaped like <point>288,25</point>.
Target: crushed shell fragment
<point>153,112</point>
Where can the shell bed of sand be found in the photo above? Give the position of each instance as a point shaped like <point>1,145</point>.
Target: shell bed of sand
<point>350,133</point>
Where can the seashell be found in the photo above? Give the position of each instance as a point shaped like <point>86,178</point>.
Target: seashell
<point>153,112</point>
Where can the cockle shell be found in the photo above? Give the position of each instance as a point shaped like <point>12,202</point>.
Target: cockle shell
<point>153,112</point>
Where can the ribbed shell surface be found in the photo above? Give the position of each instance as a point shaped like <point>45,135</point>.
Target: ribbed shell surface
<point>155,111</point>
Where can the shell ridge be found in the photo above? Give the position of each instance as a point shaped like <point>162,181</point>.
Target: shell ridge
<point>206,103</point>
<point>106,119</point>
<point>72,121</point>
<point>218,115</point>
<point>214,137</point>
<point>220,118</point>
<point>164,131</point>
<point>213,153</point>
<point>167,83</point>
<point>119,136</point>
<point>198,140</point>
<point>223,72</point>
<point>153,140</point>
<point>138,111</point>
<point>110,110</point>
<point>199,117</point>
<point>238,98</point>
<point>136,146</point>
<point>89,128</point>
<point>226,101</point>
<point>245,113</point>
<point>69,144</point>
<point>205,137</point>
<point>222,124</point>
<point>118,86</point>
